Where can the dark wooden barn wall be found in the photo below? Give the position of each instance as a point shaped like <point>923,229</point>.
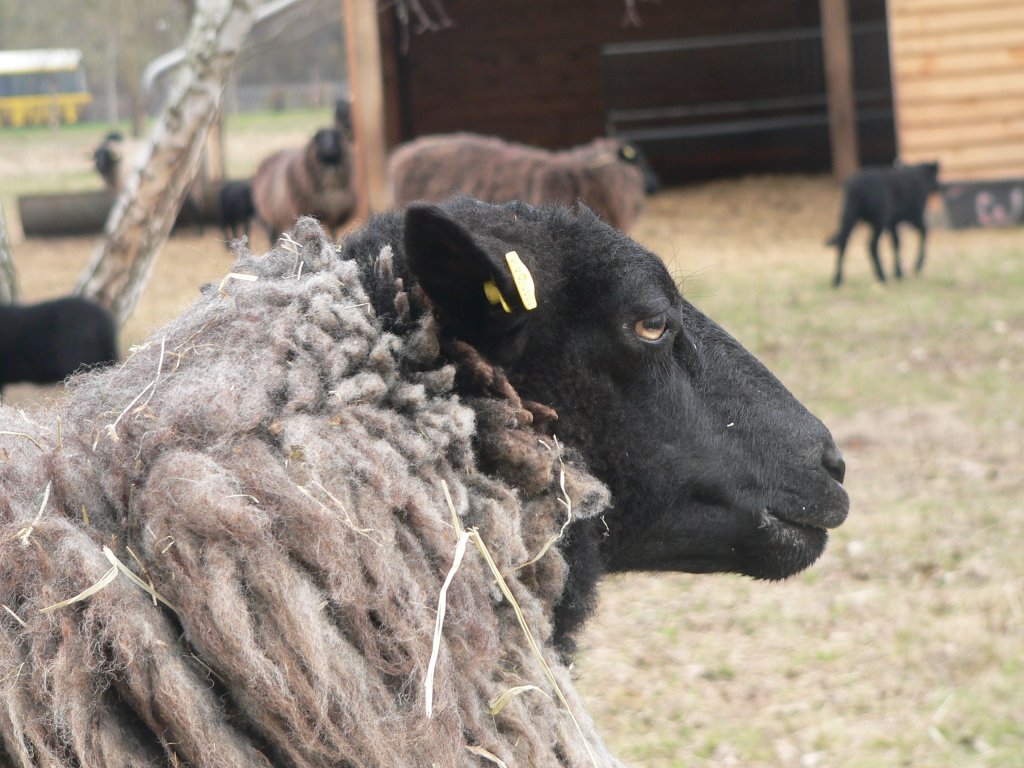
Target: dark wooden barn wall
<point>533,72</point>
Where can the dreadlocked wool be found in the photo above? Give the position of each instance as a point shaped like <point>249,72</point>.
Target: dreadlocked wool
<point>270,467</point>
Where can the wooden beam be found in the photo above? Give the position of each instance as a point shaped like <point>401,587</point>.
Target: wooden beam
<point>953,42</point>
<point>991,61</point>
<point>842,112</point>
<point>967,19</point>
<point>970,87</point>
<point>362,40</point>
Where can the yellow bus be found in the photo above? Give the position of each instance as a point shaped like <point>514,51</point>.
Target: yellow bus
<point>41,86</point>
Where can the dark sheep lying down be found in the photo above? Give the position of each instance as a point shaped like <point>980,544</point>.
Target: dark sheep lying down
<point>273,465</point>
<point>608,175</point>
<point>884,198</point>
<point>45,343</point>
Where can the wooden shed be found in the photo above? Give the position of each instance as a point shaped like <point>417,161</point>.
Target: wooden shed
<point>706,88</point>
<point>958,73</point>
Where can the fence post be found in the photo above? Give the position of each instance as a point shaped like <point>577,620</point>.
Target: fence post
<point>842,108</point>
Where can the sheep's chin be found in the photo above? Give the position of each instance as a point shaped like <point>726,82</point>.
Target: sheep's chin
<point>785,547</point>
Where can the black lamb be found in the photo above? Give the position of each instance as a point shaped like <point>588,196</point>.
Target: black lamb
<point>885,197</point>
<point>236,208</point>
<point>47,342</point>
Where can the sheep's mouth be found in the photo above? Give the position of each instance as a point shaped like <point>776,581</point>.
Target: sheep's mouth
<point>772,519</point>
<point>776,523</point>
<point>786,546</point>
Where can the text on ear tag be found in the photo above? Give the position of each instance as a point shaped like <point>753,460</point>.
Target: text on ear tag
<point>493,294</point>
<point>523,279</point>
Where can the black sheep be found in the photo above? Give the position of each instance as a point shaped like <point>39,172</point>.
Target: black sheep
<point>47,342</point>
<point>107,158</point>
<point>885,198</point>
<point>281,487</point>
<point>664,405</point>
<point>236,208</point>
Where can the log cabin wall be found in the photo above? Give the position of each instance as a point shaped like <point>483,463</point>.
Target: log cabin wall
<point>958,73</point>
<point>707,88</point>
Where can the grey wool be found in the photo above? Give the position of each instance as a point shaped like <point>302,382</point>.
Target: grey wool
<point>271,465</point>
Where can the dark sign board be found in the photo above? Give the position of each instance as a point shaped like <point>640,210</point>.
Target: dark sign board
<point>984,203</point>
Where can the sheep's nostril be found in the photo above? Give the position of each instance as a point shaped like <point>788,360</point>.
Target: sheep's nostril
<point>832,460</point>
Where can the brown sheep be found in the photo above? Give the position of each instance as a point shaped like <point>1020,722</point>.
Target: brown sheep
<point>608,175</point>
<point>315,180</point>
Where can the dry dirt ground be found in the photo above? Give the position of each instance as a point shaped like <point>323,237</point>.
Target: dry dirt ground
<point>904,645</point>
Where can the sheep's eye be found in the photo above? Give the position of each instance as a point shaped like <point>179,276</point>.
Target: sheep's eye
<point>651,328</point>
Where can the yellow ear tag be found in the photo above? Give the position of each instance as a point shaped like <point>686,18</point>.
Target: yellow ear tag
<point>523,279</point>
<point>493,294</point>
<point>628,152</point>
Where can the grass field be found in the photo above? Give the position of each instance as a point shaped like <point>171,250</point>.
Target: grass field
<point>904,646</point>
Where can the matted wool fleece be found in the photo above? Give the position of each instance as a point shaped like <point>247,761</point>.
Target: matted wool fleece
<point>271,464</point>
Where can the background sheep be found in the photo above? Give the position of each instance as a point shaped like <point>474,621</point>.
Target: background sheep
<point>47,342</point>
<point>116,158</point>
<point>272,462</point>
<point>610,176</point>
<point>236,208</point>
<point>315,180</point>
<point>885,198</point>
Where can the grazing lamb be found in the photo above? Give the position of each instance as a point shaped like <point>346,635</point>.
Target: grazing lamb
<point>47,342</point>
<point>884,198</point>
<point>315,180</point>
<point>272,468</point>
<point>236,209</point>
<point>610,176</point>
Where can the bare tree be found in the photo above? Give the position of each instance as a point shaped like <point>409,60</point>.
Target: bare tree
<point>8,276</point>
<point>144,212</point>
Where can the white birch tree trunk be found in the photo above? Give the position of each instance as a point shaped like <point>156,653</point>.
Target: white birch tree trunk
<point>8,276</point>
<point>144,212</point>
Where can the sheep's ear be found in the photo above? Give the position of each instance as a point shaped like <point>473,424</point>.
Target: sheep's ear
<point>473,289</point>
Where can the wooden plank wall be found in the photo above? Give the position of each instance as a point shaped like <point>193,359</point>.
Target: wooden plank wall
<point>958,81</point>
<point>532,72</point>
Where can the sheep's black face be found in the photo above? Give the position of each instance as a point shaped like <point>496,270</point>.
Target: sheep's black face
<point>327,142</point>
<point>712,463</point>
<point>105,161</point>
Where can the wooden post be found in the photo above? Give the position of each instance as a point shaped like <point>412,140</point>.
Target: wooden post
<point>842,109</point>
<point>362,41</point>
